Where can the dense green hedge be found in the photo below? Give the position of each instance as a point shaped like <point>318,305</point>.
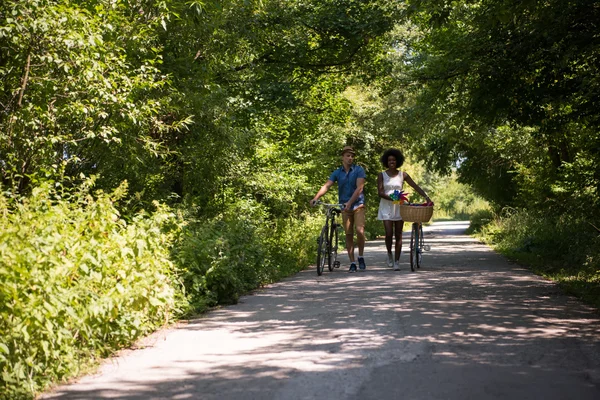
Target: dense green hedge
<point>221,258</point>
<point>78,281</point>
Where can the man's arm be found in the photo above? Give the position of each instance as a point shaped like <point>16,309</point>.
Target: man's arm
<point>321,192</point>
<point>360,184</point>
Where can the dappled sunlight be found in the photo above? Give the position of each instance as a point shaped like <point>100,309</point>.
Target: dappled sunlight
<point>461,309</point>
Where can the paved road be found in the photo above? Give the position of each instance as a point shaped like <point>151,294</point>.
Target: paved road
<point>468,325</point>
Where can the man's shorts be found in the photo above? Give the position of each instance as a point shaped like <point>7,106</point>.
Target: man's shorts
<point>352,219</point>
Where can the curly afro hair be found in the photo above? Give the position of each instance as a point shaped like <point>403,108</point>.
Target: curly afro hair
<point>392,152</point>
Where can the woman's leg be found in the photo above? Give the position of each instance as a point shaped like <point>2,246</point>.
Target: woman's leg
<point>398,226</point>
<point>389,233</point>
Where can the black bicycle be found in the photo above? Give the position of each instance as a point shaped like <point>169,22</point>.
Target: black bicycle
<point>328,239</point>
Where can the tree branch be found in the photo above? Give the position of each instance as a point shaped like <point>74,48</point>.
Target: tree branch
<point>25,79</point>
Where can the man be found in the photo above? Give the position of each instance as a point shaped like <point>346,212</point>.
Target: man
<point>351,181</point>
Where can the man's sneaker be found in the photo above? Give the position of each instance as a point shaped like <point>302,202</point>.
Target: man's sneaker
<point>352,268</point>
<point>361,264</point>
<point>396,265</point>
<point>390,260</point>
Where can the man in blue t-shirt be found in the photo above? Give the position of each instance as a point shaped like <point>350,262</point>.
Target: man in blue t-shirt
<point>351,181</point>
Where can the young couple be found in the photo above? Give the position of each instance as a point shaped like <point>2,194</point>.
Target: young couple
<point>351,181</point>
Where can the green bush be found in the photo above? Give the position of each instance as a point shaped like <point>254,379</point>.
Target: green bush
<point>242,249</point>
<point>480,220</point>
<point>78,281</point>
<point>456,200</point>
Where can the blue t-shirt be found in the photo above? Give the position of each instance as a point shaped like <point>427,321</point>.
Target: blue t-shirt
<point>347,184</point>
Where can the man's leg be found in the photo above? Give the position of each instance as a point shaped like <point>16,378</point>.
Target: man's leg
<point>350,246</point>
<point>348,221</point>
<point>359,224</point>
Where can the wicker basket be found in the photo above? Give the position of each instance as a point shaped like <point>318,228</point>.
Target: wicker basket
<point>416,213</point>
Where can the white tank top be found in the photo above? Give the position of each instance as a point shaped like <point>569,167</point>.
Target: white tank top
<point>387,209</point>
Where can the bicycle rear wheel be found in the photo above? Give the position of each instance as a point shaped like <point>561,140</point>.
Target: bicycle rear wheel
<point>333,246</point>
<point>420,247</point>
<point>322,251</point>
<point>414,244</point>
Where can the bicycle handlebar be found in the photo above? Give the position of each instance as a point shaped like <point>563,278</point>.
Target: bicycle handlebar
<point>320,203</point>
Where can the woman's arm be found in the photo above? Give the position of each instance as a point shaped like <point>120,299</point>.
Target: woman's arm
<point>417,188</point>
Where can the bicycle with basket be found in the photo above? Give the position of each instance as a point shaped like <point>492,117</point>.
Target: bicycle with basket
<point>417,214</point>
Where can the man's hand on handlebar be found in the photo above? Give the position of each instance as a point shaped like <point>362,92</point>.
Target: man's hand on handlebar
<point>313,202</point>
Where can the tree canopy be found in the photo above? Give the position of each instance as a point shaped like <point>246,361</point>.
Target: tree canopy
<point>224,117</point>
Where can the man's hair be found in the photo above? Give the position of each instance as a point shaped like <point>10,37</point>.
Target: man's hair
<point>397,155</point>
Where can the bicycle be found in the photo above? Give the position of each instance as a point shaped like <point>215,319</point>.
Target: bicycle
<point>328,239</point>
<point>417,215</point>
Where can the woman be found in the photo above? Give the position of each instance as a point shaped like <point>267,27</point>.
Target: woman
<point>387,182</point>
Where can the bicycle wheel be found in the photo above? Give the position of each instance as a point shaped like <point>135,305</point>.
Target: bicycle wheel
<point>420,247</point>
<point>333,245</point>
<point>414,240</point>
<point>322,251</point>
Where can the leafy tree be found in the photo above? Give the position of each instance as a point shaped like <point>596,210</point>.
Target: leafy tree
<point>81,92</point>
<point>508,90</point>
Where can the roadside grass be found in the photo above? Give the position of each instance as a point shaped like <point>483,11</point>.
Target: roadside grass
<point>561,249</point>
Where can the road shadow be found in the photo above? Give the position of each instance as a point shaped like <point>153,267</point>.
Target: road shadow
<point>479,325</point>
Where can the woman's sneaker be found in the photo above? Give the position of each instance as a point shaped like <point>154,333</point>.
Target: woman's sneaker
<point>352,268</point>
<point>390,260</point>
<point>396,265</point>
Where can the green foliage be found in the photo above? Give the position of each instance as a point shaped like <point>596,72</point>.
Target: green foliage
<point>222,258</point>
<point>496,89</point>
<point>81,91</point>
<point>456,200</point>
<point>234,113</point>
<point>480,220</point>
<point>78,281</point>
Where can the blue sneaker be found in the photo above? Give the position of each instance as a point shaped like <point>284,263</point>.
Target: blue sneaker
<point>352,268</point>
<point>361,264</point>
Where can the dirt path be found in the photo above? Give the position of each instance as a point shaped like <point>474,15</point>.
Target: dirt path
<point>468,325</point>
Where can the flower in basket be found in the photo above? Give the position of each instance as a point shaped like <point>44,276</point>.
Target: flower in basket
<point>398,197</point>
<point>426,204</point>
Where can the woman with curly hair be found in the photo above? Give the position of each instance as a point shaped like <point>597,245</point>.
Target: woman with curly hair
<point>388,181</point>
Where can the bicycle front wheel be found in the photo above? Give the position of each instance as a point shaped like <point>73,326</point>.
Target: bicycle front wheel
<point>322,251</point>
<point>414,247</point>
<point>333,246</point>
<point>420,247</point>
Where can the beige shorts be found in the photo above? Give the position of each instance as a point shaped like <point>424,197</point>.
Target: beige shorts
<point>352,219</point>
